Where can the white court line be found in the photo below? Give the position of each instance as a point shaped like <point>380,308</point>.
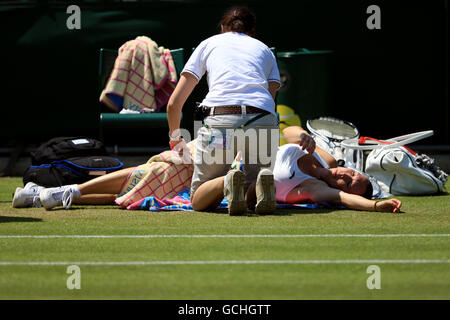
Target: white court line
<point>206,262</point>
<point>400,235</point>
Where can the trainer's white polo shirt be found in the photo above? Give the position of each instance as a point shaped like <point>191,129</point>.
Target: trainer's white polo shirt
<point>239,69</point>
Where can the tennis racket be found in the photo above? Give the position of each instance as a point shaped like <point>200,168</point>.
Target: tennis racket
<point>370,143</point>
<point>332,132</point>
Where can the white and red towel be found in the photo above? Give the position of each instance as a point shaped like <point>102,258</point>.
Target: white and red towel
<point>143,78</point>
<point>163,176</point>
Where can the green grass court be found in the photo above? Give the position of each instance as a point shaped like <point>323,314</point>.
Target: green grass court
<point>215,256</point>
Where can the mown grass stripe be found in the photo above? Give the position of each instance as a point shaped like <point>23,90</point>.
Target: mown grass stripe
<point>228,236</point>
<point>215,262</point>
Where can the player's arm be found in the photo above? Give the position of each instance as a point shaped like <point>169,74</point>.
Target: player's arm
<point>321,192</point>
<point>298,135</point>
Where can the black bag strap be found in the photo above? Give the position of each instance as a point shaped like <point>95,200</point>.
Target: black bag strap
<point>259,116</point>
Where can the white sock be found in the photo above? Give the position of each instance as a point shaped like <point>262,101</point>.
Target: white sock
<point>57,195</point>
<point>75,190</point>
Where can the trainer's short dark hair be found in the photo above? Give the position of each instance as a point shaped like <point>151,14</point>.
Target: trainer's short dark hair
<point>239,19</point>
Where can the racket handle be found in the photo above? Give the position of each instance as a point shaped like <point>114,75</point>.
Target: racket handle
<point>339,156</point>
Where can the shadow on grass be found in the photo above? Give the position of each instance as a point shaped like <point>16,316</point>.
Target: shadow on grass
<point>282,212</point>
<point>18,219</point>
<point>292,211</point>
<point>442,194</point>
<point>85,207</point>
<point>436,195</point>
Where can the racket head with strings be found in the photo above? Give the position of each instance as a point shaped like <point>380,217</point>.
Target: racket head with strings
<point>332,128</point>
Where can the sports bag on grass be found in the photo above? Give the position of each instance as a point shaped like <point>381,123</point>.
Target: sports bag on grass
<point>399,170</point>
<point>71,171</point>
<point>67,147</point>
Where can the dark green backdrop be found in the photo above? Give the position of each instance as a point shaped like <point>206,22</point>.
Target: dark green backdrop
<point>389,82</point>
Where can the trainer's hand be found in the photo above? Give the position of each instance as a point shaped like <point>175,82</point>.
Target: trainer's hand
<point>181,153</point>
<point>173,143</point>
<point>391,205</point>
<point>306,142</point>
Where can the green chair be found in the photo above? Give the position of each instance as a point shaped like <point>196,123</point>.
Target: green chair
<point>111,121</point>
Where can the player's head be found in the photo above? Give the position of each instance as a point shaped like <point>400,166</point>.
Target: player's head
<point>350,181</point>
<point>239,19</point>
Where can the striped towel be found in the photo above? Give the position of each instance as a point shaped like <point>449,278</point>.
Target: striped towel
<point>143,78</point>
<point>182,202</point>
<point>163,176</point>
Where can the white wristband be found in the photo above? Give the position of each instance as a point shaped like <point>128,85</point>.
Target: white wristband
<point>174,138</point>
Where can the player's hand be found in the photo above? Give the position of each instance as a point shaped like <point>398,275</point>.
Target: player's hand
<point>391,205</point>
<point>307,143</point>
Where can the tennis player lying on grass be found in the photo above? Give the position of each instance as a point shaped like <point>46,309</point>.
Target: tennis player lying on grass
<point>304,172</point>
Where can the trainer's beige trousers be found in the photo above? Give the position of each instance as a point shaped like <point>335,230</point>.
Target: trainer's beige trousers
<point>222,136</point>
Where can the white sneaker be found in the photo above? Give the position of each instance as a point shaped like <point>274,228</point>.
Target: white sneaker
<point>59,196</point>
<point>27,197</point>
<point>33,187</point>
<point>265,192</point>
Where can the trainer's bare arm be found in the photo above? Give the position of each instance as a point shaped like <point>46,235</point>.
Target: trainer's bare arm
<point>273,88</point>
<point>298,135</point>
<point>319,191</point>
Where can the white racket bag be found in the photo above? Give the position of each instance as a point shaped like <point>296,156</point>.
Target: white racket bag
<point>399,170</point>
